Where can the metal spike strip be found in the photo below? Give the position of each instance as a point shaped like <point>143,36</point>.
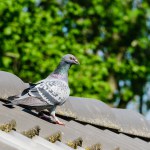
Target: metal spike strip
<point>7,127</point>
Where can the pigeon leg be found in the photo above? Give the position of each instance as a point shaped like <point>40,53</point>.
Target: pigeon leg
<point>52,118</point>
<point>57,121</point>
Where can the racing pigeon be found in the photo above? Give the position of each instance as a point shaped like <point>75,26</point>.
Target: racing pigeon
<point>50,92</point>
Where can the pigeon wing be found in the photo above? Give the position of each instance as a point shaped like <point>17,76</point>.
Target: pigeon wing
<point>29,101</point>
<point>53,92</point>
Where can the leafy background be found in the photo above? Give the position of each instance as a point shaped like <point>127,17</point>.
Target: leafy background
<point>111,39</point>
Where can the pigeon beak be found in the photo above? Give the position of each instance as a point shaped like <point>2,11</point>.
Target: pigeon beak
<point>76,62</point>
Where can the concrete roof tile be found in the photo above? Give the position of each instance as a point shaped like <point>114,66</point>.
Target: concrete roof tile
<point>64,146</point>
<point>131,122</point>
<point>46,143</point>
<point>91,111</point>
<point>90,138</point>
<point>5,146</point>
<point>10,85</point>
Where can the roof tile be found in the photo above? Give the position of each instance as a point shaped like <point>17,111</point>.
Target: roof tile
<point>131,122</point>
<point>10,85</point>
<point>90,111</point>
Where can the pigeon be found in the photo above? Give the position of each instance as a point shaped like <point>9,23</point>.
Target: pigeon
<point>49,92</point>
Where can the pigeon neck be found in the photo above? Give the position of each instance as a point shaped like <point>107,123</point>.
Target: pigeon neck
<point>61,71</point>
<point>62,68</point>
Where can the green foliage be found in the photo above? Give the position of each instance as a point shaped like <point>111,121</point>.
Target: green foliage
<point>110,39</point>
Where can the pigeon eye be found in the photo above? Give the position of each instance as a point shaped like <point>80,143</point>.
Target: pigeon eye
<point>71,58</point>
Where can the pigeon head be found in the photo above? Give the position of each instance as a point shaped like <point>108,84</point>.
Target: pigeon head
<point>62,69</point>
<point>70,59</point>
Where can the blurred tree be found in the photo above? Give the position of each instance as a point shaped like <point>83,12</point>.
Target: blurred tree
<point>110,38</point>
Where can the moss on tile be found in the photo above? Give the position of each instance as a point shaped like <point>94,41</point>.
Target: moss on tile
<point>55,137</point>
<point>94,147</point>
<point>32,132</point>
<point>75,143</point>
<point>7,127</point>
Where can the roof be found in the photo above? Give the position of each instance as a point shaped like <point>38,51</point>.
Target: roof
<point>99,114</point>
<point>90,125</point>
